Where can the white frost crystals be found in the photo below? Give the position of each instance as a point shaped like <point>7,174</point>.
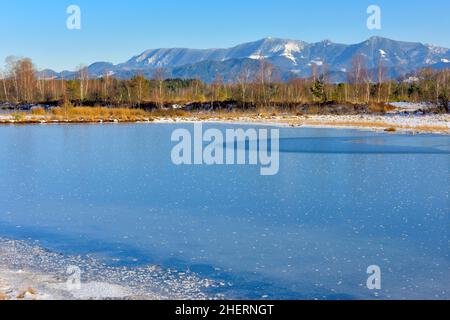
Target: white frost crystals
<point>212,147</point>
<point>74,278</point>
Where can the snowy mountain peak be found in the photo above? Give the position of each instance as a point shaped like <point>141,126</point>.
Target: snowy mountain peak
<point>290,57</point>
<point>436,49</point>
<point>290,49</point>
<point>327,42</point>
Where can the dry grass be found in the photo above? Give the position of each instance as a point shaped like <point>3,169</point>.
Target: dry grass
<point>267,111</point>
<point>314,109</point>
<point>79,115</point>
<point>170,113</point>
<point>224,114</point>
<point>23,294</point>
<point>38,111</point>
<point>237,114</point>
<point>3,297</point>
<point>72,114</point>
<point>96,114</point>
<point>19,116</point>
<point>380,107</point>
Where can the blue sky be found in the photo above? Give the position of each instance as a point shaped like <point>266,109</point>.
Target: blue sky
<point>115,30</point>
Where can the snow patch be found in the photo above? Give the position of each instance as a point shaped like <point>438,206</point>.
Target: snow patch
<point>257,57</point>
<point>289,49</point>
<point>436,49</point>
<point>151,60</point>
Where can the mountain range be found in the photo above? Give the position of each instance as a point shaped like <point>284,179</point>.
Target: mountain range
<point>290,58</point>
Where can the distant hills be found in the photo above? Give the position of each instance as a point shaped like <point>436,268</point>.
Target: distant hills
<point>291,58</point>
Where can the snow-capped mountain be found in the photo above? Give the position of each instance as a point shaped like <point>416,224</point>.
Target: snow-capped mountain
<point>291,58</point>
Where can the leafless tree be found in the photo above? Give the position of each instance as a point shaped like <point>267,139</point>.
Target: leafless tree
<point>159,76</point>
<point>264,78</point>
<point>314,72</point>
<point>83,78</point>
<point>5,90</point>
<point>243,80</point>
<point>11,69</point>
<point>381,74</point>
<point>358,76</point>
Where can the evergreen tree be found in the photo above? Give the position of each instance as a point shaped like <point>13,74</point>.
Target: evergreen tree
<point>318,90</point>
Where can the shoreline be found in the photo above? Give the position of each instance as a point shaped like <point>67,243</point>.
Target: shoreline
<point>31,272</point>
<point>21,280</point>
<point>437,124</point>
<point>25,284</point>
<point>30,285</point>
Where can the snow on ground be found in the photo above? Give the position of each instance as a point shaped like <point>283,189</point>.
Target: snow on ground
<point>428,123</point>
<point>439,123</point>
<point>410,106</point>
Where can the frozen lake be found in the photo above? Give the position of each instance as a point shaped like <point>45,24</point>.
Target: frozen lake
<point>343,200</point>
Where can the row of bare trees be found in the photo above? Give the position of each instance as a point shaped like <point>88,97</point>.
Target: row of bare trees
<point>20,83</point>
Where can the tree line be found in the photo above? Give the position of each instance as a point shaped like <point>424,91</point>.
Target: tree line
<point>21,83</point>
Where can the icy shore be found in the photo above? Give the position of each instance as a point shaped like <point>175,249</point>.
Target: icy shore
<point>29,272</point>
<point>430,123</point>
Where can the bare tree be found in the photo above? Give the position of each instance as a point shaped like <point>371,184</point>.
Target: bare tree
<point>243,80</point>
<point>25,79</point>
<point>381,74</point>
<point>106,84</point>
<point>11,69</point>
<point>264,77</point>
<point>442,90</point>
<point>83,78</point>
<point>139,86</point>
<point>358,76</point>
<point>159,76</point>
<point>42,79</point>
<point>314,72</point>
<point>5,90</point>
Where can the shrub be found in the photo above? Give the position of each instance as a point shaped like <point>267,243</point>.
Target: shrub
<point>169,113</point>
<point>38,111</point>
<point>19,116</point>
<point>381,107</point>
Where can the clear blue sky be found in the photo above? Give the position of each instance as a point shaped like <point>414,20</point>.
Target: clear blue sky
<point>115,30</point>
